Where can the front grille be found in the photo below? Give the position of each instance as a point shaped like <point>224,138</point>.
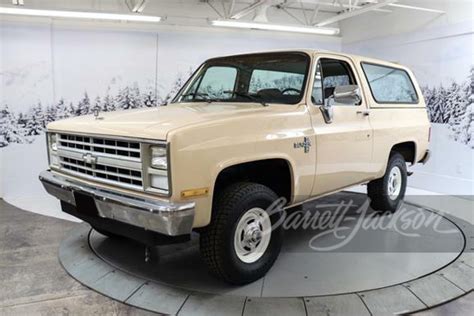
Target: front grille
<point>101,159</point>
<point>127,176</point>
<point>101,145</point>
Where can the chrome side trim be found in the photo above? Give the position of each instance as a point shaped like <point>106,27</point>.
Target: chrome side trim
<point>163,217</point>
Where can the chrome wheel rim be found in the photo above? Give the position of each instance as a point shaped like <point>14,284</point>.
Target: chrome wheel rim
<point>394,183</point>
<point>252,235</point>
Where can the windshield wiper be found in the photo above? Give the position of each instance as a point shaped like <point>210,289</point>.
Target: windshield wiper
<point>246,95</point>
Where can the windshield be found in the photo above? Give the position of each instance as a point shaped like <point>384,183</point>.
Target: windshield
<point>264,78</point>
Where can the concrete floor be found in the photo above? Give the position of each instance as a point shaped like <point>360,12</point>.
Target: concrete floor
<point>32,280</point>
<point>34,283</point>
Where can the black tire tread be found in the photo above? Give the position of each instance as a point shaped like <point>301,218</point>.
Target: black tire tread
<point>376,188</point>
<point>211,243</point>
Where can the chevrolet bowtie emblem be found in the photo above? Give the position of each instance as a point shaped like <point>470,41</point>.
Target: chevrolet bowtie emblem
<point>89,159</point>
<point>305,144</point>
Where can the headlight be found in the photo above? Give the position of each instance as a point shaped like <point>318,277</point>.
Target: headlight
<point>53,149</point>
<point>159,157</point>
<point>158,171</point>
<point>54,142</point>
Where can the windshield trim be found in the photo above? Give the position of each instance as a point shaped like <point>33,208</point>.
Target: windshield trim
<point>217,59</point>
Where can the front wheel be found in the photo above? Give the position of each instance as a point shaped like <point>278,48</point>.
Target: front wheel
<point>387,193</point>
<point>240,245</point>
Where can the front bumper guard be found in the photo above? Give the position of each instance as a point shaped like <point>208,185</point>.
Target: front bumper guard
<point>163,217</point>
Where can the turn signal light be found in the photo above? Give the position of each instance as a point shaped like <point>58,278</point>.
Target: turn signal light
<point>194,192</point>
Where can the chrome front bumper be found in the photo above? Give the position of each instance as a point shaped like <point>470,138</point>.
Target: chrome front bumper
<point>163,217</point>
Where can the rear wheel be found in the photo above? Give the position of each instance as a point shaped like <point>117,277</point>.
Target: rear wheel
<point>387,193</point>
<point>240,246</point>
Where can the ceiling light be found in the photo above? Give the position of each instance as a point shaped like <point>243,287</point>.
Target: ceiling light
<point>276,27</point>
<point>398,5</point>
<point>80,15</point>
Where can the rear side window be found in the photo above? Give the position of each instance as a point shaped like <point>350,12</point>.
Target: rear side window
<point>390,85</point>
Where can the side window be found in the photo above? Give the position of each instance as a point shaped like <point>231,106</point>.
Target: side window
<point>390,85</point>
<point>216,81</point>
<point>317,94</point>
<point>335,73</point>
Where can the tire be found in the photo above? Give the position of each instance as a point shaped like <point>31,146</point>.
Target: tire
<point>379,190</point>
<point>220,245</point>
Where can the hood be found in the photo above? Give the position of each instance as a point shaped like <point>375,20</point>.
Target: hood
<point>154,123</point>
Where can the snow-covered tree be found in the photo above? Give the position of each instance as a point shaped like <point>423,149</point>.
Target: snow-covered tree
<point>456,106</point>
<point>21,119</point>
<point>123,99</point>
<point>36,122</point>
<point>71,109</point>
<point>108,104</point>
<point>84,105</point>
<point>50,114</point>
<point>149,100</point>
<point>129,98</point>
<point>466,126</point>
<point>10,131</point>
<point>97,106</point>
<point>429,96</point>
<point>136,96</point>
<point>62,110</point>
<point>177,85</point>
<point>439,106</point>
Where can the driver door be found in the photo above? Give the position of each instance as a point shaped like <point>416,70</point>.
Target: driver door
<point>344,146</point>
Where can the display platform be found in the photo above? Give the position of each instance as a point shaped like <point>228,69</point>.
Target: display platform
<point>361,262</point>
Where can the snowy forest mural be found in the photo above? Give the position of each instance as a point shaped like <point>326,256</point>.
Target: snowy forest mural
<point>22,127</point>
<point>452,105</point>
<point>19,127</point>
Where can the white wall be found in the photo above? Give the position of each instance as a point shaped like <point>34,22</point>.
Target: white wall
<point>399,21</point>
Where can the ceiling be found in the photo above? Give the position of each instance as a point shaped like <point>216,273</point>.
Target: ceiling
<point>308,13</point>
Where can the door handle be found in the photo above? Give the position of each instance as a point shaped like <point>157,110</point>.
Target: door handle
<point>364,112</point>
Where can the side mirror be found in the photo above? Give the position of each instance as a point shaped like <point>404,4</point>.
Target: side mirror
<point>326,110</point>
<point>348,95</point>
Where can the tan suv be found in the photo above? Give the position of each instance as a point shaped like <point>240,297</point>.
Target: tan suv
<point>242,132</point>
